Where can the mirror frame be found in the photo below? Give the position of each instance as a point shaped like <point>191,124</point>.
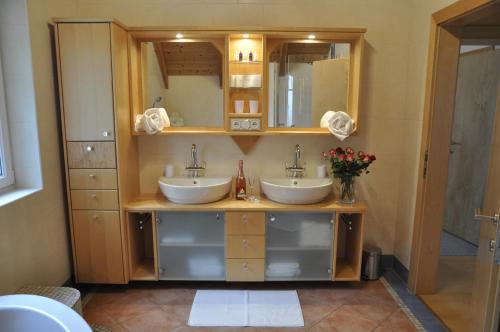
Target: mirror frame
<point>353,36</point>
<point>272,43</point>
<point>135,69</point>
<point>356,41</point>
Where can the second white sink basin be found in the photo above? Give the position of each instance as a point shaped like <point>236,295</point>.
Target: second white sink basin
<point>296,191</point>
<point>185,190</point>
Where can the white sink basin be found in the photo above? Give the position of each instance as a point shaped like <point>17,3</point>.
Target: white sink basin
<point>184,190</point>
<point>296,191</point>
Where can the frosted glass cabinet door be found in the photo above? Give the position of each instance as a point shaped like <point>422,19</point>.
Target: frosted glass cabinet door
<point>191,245</point>
<point>299,246</point>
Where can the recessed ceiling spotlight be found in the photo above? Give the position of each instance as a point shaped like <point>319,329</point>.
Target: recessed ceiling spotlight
<point>246,35</point>
<point>179,36</point>
<point>311,36</point>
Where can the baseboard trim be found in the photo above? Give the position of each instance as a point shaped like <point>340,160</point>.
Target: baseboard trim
<point>391,262</point>
<point>69,283</point>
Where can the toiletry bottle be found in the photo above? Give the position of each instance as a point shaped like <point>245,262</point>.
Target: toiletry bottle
<point>250,56</point>
<point>240,56</point>
<point>241,186</point>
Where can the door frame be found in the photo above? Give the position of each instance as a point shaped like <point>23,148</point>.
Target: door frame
<point>446,34</point>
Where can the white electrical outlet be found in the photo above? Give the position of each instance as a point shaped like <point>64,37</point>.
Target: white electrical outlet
<point>245,124</point>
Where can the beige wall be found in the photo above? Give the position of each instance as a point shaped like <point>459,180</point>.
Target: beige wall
<point>392,97</point>
<point>412,122</point>
<point>33,242</point>
<point>34,245</point>
<point>385,114</point>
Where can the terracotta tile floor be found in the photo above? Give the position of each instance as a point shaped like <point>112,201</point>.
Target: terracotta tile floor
<point>164,307</point>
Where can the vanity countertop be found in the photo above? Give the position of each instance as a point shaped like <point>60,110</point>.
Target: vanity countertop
<point>160,203</point>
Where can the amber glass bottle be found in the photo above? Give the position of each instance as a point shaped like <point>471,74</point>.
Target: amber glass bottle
<point>241,186</point>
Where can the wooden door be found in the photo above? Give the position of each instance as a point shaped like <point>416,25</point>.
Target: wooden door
<point>86,80</point>
<point>98,248</point>
<point>475,106</point>
<point>486,291</point>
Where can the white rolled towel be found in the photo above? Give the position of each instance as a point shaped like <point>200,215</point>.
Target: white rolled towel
<point>339,124</point>
<point>152,121</point>
<point>325,119</point>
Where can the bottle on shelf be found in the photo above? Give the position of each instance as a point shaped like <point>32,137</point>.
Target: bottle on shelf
<point>240,56</point>
<point>241,186</point>
<point>250,56</point>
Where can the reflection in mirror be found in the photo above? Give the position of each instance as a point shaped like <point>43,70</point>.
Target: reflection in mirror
<point>306,79</point>
<point>185,78</point>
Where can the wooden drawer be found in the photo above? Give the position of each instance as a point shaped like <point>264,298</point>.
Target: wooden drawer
<point>244,269</point>
<point>241,246</point>
<point>91,155</point>
<point>94,199</point>
<point>98,247</point>
<point>93,179</point>
<point>245,223</point>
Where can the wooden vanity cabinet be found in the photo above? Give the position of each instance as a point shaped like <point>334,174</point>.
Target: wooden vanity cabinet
<point>99,151</point>
<point>86,78</point>
<point>245,246</point>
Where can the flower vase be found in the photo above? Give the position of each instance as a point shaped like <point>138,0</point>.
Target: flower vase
<point>347,190</point>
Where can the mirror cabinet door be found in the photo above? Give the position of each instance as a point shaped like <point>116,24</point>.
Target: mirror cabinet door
<point>184,76</point>
<point>305,80</point>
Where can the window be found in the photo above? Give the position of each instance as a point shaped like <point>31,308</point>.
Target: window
<point>6,172</point>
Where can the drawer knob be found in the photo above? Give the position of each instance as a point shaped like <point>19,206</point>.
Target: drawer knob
<point>245,266</point>
<point>245,243</point>
<point>106,133</point>
<point>244,219</point>
<point>95,217</point>
<point>272,218</point>
<point>92,176</point>
<point>94,196</point>
<point>89,148</point>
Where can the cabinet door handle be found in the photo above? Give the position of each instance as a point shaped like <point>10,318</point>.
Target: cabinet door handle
<point>92,176</point>
<point>245,243</point>
<point>94,196</point>
<point>95,217</point>
<point>106,133</point>
<point>245,266</point>
<point>89,148</point>
<point>244,219</point>
<point>272,218</point>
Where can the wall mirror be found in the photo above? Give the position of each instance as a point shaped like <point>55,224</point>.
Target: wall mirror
<point>306,78</point>
<point>185,77</point>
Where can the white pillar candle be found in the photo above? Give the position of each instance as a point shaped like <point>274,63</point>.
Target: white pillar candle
<point>254,106</point>
<point>321,171</point>
<point>238,106</point>
<point>169,171</point>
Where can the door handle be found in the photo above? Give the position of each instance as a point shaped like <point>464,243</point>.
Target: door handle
<point>481,217</point>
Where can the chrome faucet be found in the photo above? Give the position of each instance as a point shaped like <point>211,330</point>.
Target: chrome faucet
<point>194,168</point>
<point>296,170</point>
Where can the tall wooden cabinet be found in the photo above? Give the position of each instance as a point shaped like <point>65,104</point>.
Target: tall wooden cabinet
<point>100,153</point>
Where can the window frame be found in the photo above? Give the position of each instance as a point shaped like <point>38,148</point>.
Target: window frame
<point>7,179</point>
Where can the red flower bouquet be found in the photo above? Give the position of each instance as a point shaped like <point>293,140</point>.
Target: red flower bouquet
<point>346,165</point>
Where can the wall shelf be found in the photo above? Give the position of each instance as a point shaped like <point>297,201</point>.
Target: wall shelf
<point>348,246</point>
<point>245,62</point>
<point>142,256</point>
<point>269,132</point>
<point>245,115</point>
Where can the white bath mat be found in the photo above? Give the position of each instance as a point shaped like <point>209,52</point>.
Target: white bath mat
<point>246,308</point>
